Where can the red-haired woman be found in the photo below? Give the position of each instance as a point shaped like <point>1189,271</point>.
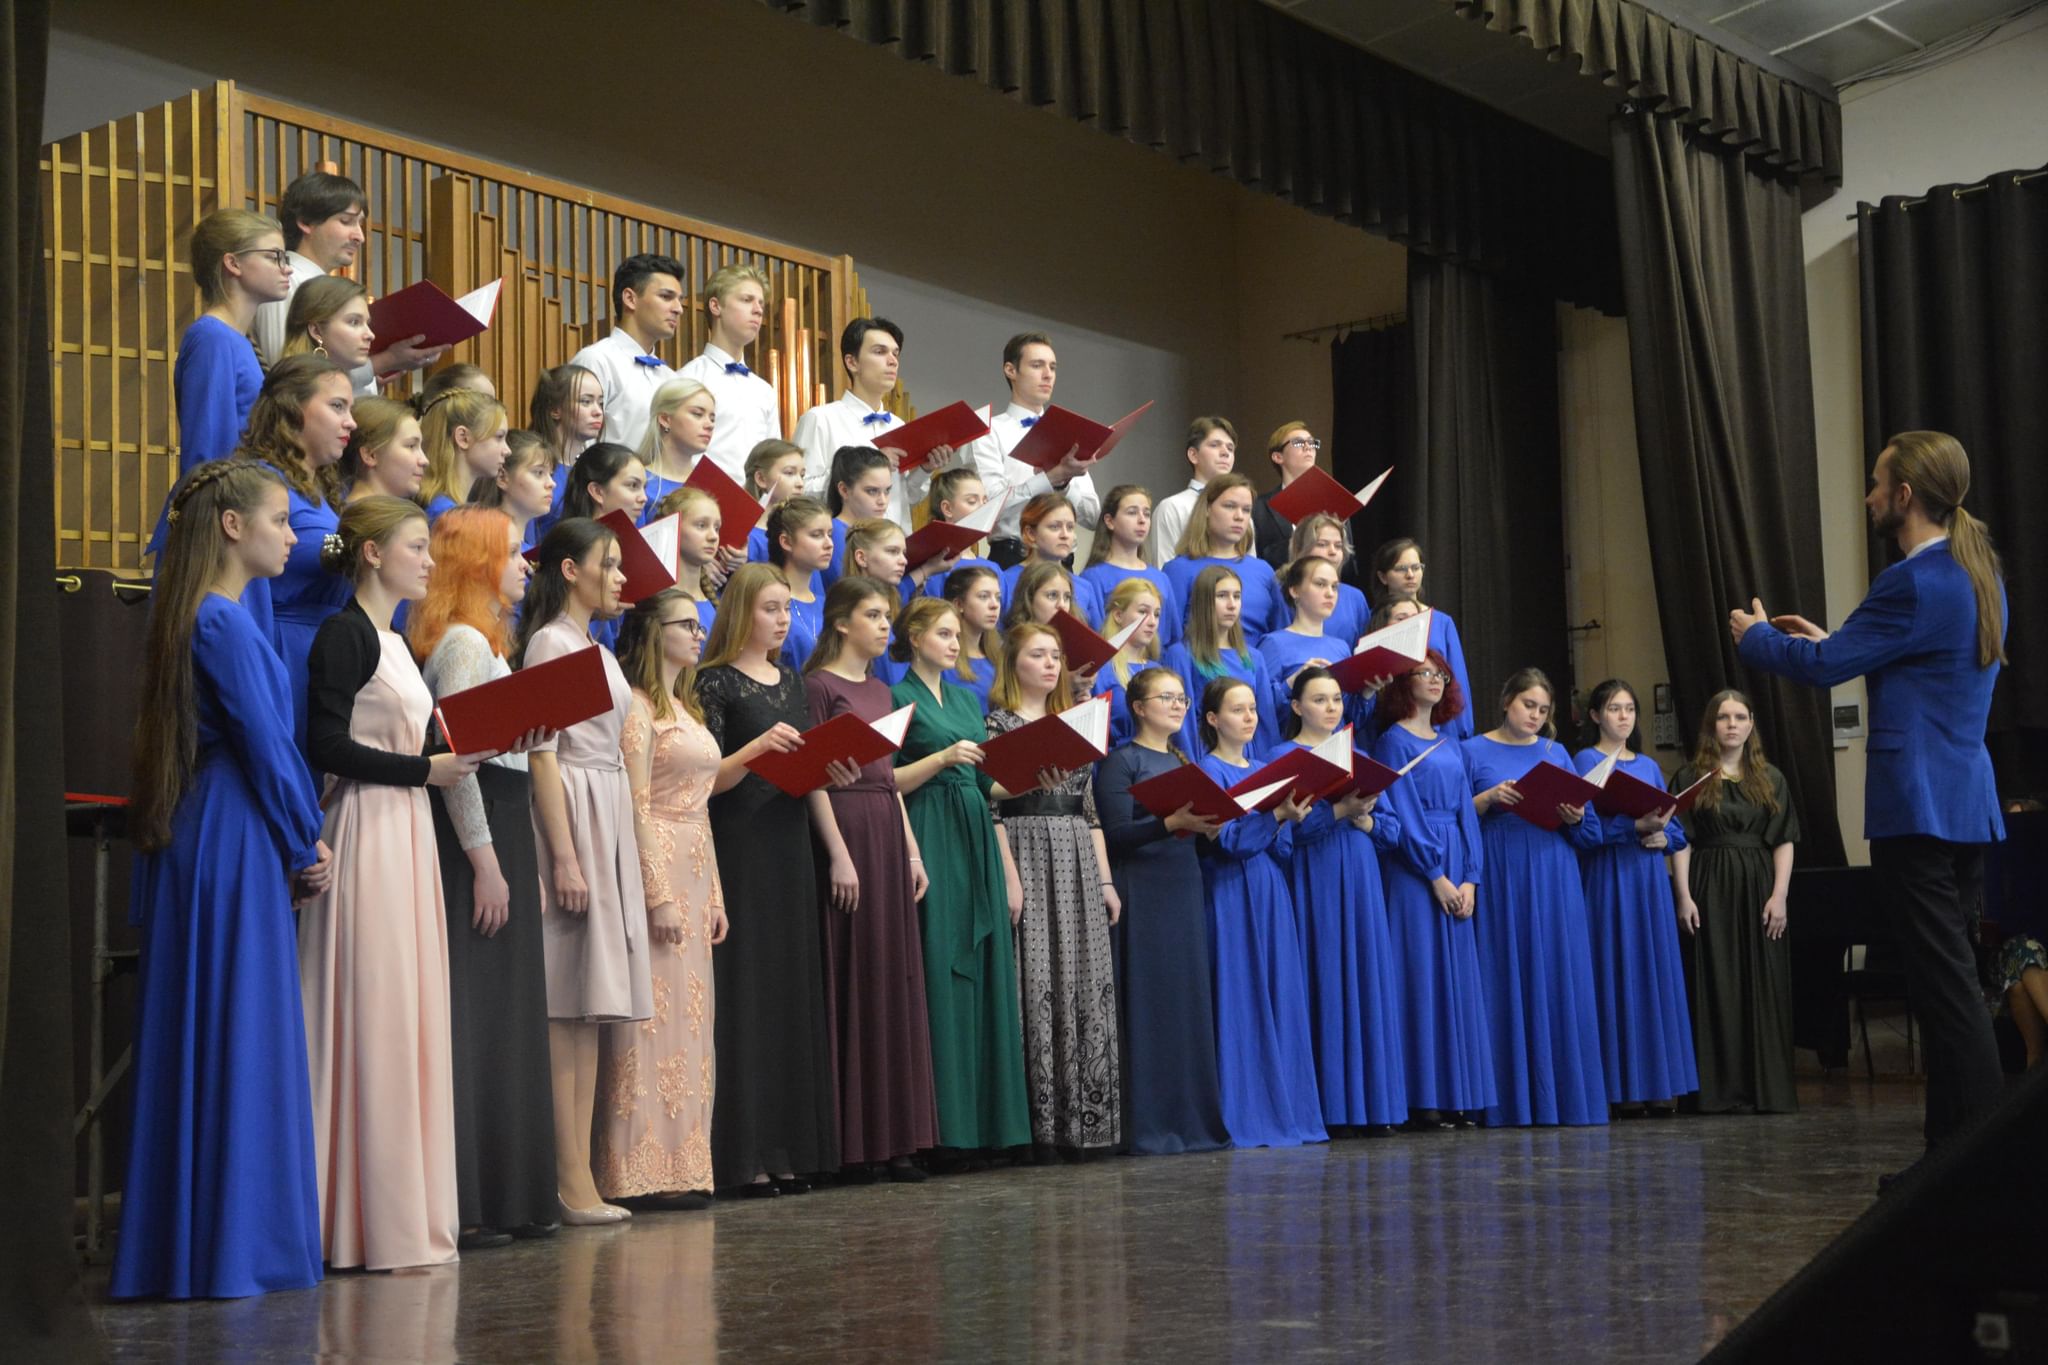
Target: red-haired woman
<point>1431,884</point>
<point>490,878</point>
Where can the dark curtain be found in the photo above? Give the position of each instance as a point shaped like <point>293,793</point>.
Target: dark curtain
<point>1955,328</point>
<point>1246,90</point>
<point>42,1310</point>
<point>1714,272</point>
<point>1372,425</point>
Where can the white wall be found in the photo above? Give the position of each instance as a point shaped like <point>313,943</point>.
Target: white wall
<point>1981,113</point>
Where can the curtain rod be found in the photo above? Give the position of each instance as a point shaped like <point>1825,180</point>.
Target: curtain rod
<point>1957,193</point>
<point>1372,324</point>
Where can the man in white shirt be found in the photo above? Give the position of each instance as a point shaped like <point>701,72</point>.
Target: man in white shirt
<point>870,349</point>
<point>323,232</point>
<point>1212,451</point>
<point>1031,368</point>
<point>647,307</point>
<point>736,301</point>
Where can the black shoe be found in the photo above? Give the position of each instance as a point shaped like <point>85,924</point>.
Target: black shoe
<point>1377,1130</point>
<point>857,1175</point>
<point>532,1231</point>
<point>681,1201</point>
<point>1429,1121</point>
<point>903,1173</point>
<point>1662,1111</point>
<point>760,1189</point>
<point>480,1239</point>
<point>1464,1120</point>
<point>792,1184</point>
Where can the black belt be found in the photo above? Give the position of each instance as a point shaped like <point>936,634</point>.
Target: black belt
<point>1039,803</point>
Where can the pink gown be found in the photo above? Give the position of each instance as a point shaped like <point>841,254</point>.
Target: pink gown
<point>373,975</point>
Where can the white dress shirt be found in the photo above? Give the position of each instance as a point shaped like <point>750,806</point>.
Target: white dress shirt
<point>825,428</point>
<point>1003,477</point>
<point>747,411</point>
<point>268,331</point>
<point>628,385</point>
<point>1169,519</point>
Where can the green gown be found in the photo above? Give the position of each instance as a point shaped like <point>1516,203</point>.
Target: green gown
<point>969,969</point>
<point>1742,981</point>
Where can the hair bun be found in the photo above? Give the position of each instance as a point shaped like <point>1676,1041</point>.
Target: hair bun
<point>334,555</point>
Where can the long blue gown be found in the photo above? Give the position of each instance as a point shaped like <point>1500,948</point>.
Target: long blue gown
<point>1645,1026</point>
<point>1265,606</point>
<point>1249,667</point>
<point>1444,1033</point>
<point>1165,1019</point>
<point>305,595</point>
<point>1105,578</point>
<point>214,384</point>
<point>1534,953</point>
<point>220,1199</point>
<point>1354,984</point>
<point>1264,1059</point>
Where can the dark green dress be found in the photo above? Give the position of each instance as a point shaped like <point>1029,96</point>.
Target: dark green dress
<point>970,971</point>
<point>1741,980</point>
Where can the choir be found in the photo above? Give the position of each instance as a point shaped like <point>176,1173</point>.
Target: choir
<point>615,969</point>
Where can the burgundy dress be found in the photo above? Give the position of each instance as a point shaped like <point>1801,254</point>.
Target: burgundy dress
<point>874,962</point>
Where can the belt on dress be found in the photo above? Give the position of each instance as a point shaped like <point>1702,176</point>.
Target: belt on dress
<point>1039,803</point>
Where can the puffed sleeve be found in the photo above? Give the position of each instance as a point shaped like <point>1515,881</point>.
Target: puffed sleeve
<point>344,657</point>
<point>240,668</point>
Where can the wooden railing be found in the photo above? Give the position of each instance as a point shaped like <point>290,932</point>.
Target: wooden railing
<point>120,203</point>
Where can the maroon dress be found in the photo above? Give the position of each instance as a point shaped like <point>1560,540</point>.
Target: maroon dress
<point>874,963</point>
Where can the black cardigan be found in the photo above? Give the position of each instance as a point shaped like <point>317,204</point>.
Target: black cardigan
<point>344,657</point>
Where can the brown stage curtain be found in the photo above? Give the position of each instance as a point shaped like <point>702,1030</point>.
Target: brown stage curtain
<point>1677,73</point>
<point>1714,267</point>
<point>1246,90</point>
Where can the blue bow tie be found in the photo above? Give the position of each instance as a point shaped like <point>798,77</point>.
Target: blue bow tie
<point>734,367</point>
<point>1026,421</point>
<point>877,419</point>
<point>652,362</point>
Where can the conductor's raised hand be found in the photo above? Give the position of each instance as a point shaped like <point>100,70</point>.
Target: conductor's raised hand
<point>1739,621</point>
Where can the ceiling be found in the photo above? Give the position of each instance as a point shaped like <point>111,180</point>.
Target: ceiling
<point>1819,43</point>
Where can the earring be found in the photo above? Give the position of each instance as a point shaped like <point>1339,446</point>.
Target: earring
<point>320,349</point>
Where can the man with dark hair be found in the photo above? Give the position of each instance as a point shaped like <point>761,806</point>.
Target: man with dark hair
<point>1030,367</point>
<point>870,349</point>
<point>323,230</point>
<point>647,307</point>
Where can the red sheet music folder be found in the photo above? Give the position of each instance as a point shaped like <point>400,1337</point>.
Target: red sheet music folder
<point>1544,788</point>
<point>1189,785</point>
<point>1083,647</point>
<point>552,696</point>
<point>1074,738</point>
<point>737,510</point>
<point>1621,794</point>
<point>1059,431</point>
<point>1316,492</point>
<point>945,539</point>
<point>1386,653</point>
<point>844,737</point>
<point>1370,777</point>
<point>953,425</point>
<point>424,309</point>
<point>646,575</point>
<point>1307,771</point>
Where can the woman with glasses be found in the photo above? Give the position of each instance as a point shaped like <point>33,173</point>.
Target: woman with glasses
<point>1166,1021</point>
<point>1397,570</point>
<point>1293,449</point>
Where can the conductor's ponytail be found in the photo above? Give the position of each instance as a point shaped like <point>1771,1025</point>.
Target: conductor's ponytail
<point>1934,466</point>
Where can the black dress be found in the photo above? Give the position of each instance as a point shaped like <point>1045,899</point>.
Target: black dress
<point>774,1109</point>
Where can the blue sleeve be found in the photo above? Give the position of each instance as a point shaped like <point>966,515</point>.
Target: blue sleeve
<point>239,669</point>
<point>1274,701</point>
<point>1674,836</point>
<point>1463,724</point>
<point>210,415</point>
<point>1589,833</point>
<point>1468,830</point>
<point>1386,827</point>
<point>1319,824</point>
<point>1126,825</point>
<point>1250,836</point>
<point>1879,631</point>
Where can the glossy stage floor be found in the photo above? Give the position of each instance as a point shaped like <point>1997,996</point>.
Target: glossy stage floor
<point>1645,1241</point>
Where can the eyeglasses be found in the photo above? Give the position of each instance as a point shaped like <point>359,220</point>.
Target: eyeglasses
<point>1303,443</point>
<point>1169,698</point>
<point>1416,567</point>
<point>690,624</point>
<point>279,257</point>
<point>1430,675</point>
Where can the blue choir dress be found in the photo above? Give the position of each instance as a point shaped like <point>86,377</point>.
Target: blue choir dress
<point>220,1199</point>
<point>1251,668</point>
<point>806,620</point>
<point>1087,598</point>
<point>1535,955</point>
<point>1351,619</point>
<point>305,595</point>
<point>935,586</point>
<point>1165,1018</point>
<point>1105,578</point>
<point>1443,638</point>
<point>1265,1060</point>
<point>1638,975</point>
<point>1444,1033</point>
<point>1265,606</point>
<point>214,383</point>
<point>1354,982</point>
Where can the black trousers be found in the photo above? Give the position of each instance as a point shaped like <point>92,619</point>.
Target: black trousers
<point>1931,890</point>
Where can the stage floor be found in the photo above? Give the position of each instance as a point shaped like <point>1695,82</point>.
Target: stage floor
<point>1645,1241</point>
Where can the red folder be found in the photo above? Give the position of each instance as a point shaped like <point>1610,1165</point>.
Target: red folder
<point>646,575</point>
<point>1370,777</point>
<point>953,425</point>
<point>737,510</point>
<point>1059,430</point>
<point>845,736</point>
<point>1073,738</point>
<point>1387,652</point>
<point>1083,647</point>
<point>1188,785</point>
<point>551,696</point>
<point>424,310</point>
<point>1621,794</point>
<point>945,539</point>
<point>1316,492</point>
<point>1544,788</point>
<point>1306,771</point>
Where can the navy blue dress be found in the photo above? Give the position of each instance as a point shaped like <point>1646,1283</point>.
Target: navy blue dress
<point>1264,1058</point>
<point>1638,976</point>
<point>220,1199</point>
<point>1534,953</point>
<point>1354,982</point>
<point>1165,1020</point>
<point>1444,1033</point>
<point>305,595</point>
